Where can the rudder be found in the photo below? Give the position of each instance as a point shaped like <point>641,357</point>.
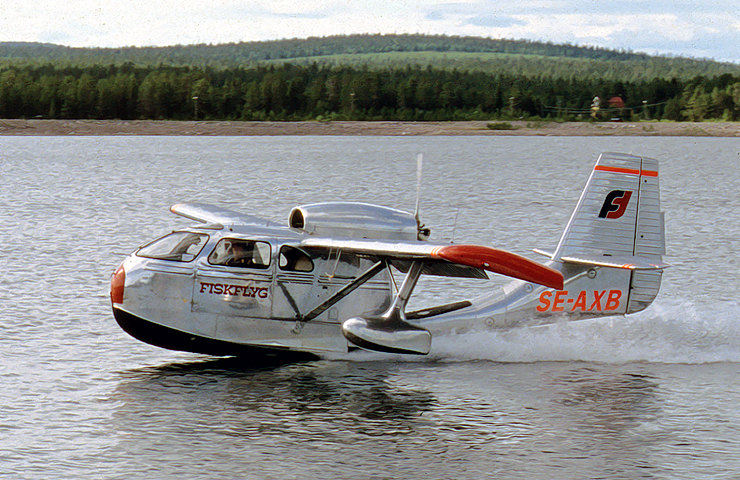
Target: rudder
<point>649,238</point>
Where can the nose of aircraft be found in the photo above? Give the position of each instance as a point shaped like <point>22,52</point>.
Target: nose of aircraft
<point>117,281</point>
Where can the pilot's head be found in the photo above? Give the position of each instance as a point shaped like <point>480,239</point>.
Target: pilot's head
<point>240,250</point>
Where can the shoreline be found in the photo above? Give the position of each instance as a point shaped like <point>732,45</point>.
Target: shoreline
<point>36,127</point>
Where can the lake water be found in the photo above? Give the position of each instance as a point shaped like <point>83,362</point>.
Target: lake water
<point>654,395</point>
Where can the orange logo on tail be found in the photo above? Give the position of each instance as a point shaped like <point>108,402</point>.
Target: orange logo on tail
<point>615,204</point>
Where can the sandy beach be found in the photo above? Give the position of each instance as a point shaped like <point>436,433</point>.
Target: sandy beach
<point>384,128</point>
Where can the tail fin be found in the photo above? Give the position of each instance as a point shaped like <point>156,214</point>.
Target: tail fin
<point>618,224</point>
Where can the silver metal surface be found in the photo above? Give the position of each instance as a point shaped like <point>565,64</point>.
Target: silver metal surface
<point>323,283</point>
<point>354,220</point>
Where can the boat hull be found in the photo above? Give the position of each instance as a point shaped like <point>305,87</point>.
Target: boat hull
<point>172,339</point>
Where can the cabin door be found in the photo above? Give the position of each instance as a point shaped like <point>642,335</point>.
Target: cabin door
<point>294,282</point>
<point>235,280</point>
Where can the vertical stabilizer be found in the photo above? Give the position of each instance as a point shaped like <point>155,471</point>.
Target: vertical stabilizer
<point>618,217</point>
<point>604,220</point>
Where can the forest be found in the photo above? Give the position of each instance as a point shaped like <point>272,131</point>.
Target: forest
<point>41,84</point>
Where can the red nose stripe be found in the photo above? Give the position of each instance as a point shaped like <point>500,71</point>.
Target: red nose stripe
<point>117,281</point>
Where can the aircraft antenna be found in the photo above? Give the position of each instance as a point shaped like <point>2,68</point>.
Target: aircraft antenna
<point>454,224</point>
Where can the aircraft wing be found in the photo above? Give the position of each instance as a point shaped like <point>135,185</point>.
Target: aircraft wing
<point>474,256</point>
<point>205,213</point>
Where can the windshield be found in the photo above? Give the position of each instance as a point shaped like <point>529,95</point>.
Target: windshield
<point>178,247</point>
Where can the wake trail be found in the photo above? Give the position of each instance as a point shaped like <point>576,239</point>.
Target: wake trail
<point>677,332</point>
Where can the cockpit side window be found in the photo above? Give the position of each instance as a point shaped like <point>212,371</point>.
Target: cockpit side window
<point>294,260</point>
<point>234,252</point>
<point>177,247</point>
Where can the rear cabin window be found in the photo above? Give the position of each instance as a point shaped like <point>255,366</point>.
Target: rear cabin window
<point>177,247</point>
<point>295,260</point>
<point>232,252</point>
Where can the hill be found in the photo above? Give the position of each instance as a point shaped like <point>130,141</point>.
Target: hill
<point>469,54</point>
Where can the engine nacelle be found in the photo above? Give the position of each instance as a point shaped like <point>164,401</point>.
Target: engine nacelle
<point>357,220</point>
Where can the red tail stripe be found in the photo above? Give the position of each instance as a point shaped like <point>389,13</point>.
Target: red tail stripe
<point>628,171</point>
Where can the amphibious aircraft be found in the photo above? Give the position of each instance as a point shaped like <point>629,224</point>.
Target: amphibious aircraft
<point>236,284</point>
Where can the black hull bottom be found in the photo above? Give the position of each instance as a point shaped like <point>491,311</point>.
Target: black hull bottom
<point>172,339</point>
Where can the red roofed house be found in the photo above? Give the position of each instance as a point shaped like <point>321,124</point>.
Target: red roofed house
<point>616,102</point>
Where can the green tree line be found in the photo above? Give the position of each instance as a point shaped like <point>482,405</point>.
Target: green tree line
<point>290,92</point>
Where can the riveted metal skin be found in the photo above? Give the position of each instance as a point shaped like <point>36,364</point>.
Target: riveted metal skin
<point>238,284</point>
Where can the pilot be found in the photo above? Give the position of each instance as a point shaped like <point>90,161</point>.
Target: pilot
<point>240,255</point>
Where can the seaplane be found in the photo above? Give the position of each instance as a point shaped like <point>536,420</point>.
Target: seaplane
<point>328,282</point>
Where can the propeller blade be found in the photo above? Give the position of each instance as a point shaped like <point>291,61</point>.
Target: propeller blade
<point>419,166</point>
<point>422,233</point>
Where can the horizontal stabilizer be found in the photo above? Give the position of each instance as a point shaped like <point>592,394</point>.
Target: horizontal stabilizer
<point>614,261</point>
<point>621,261</point>
<point>205,213</point>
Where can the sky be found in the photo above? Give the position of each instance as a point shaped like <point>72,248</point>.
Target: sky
<point>694,28</point>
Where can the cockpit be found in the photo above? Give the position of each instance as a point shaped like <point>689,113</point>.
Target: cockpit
<point>228,252</point>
